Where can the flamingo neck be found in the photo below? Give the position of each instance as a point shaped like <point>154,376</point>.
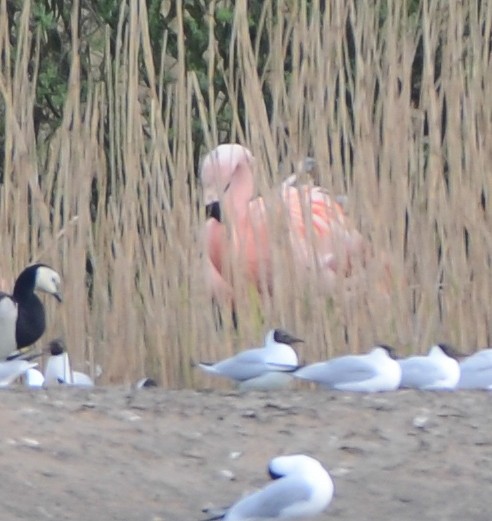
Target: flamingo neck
<point>239,193</point>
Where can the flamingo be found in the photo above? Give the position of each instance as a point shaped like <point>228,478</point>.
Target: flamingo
<point>237,234</point>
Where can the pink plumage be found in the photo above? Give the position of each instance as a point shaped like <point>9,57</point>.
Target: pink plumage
<point>320,233</point>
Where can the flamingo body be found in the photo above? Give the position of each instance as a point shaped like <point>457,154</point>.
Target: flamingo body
<point>239,237</point>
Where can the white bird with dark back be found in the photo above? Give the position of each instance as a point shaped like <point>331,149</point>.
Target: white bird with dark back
<point>277,356</point>
<point>439,370</point>
<point>301,488</point>
<point>476,371</point>
<point>22,315</point>
<point>375,371</point>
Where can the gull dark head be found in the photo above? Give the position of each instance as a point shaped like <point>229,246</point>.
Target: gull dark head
<point>146,383</point>
<point>282,466</point>
<point>450,351</point>
<point>390,350</point>
<point>273,473</point>
<point>56,347</point>
<point>283,337</point>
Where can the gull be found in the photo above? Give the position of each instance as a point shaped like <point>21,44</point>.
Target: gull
<point>476,371</point>
<point>301,488</point>
<point>145,383</point>
<point>372,372</point>
<point>439,370</point>
<point>33,378</point>
<point>10,370</point>
<point>58,370</point>
<point>270,381</point>
<point>276,356</point>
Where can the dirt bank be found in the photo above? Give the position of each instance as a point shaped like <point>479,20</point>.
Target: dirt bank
<point>115,454</point>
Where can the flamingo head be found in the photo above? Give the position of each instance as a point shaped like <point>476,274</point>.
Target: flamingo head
<point>219,168</point>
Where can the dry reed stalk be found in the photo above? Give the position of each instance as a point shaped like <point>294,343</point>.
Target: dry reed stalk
<point>414,191</point>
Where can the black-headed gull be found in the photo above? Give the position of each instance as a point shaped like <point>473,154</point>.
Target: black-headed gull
<point>58,370</point>
<point>375,371</point>
<point>439,370</point>
<point>277,356</point>
<point>33,378</point>
<point>10,370</point>
<point>301,488</point>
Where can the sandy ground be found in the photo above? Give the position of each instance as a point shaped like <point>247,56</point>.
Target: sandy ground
<point>118,454</point>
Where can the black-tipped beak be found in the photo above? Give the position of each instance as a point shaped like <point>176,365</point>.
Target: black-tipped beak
<point>58,296</point>
<point>212,210</point>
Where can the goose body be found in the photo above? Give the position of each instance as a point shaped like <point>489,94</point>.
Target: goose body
<point>22,315</point>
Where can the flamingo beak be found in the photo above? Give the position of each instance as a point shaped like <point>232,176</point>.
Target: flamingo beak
<point>212,210</point>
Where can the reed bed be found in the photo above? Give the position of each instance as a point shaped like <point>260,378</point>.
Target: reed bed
<point>112,199</point>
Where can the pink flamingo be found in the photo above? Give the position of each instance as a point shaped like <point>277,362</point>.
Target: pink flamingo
<point>237,228</point>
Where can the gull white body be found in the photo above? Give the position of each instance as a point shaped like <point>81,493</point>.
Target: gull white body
<point>302,488</point>
<point>271,381</point>
<point>375,371</point>
<point>33,378</point>
<point>10,370</point>
<point>58,370</point>
<point>81,379</point>
<point>434,372</point>
<point>274,357</point>
<point>476,371</point>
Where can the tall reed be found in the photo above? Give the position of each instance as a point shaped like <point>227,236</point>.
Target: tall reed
<point>112,200</point>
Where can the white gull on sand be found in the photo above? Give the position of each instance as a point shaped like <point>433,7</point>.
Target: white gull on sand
<point>58,370</point>
<point>33,378</point>
<point>476,371</point>
<point>10,370</point>
<point>439,370</point>
<point>375,371</point>
<point>262,363</point>
<point>301,488</point>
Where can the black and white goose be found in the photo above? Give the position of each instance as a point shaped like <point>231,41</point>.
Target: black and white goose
<point>22,316</point>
